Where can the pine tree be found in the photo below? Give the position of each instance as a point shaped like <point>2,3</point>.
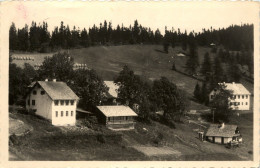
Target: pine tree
<point>192,62</point>
<point>218,71</point>
<point>197,92</point>
<point>13,39</point>
<point>206,66</point>
<point>204,93</point>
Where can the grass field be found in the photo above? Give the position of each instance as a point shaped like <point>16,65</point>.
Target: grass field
<point>47,142</point>
<point>147,60</point>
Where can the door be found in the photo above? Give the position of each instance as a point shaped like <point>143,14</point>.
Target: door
<point>213,139</point>
<point>222,140</point>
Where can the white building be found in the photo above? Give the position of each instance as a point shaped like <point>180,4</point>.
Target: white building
<point>241,96</point>
<point>112,93</point>
<point>54,101</point>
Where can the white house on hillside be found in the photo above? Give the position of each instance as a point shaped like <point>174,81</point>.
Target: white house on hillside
<point>54,101</point>
<point>112,94</point>
<point>241,96</point>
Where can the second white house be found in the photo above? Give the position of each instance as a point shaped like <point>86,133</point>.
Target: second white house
<point>241,96</point>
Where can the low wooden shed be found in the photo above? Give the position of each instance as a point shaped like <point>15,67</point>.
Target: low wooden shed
<point>222,134</point>
<point>117,117</point>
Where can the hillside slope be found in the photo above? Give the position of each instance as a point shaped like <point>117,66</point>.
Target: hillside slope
<point>147,60</point>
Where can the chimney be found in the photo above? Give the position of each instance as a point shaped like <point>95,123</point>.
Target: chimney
<point>222,125</point>
<point>46,80</point>
<point>54,80</point>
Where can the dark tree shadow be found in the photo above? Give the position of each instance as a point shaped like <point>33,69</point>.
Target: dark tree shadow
<point>160,51</point>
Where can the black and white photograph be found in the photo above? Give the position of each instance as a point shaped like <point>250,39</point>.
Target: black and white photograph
<point>131,81</point>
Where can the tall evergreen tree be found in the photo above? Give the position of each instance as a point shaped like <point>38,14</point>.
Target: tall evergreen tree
<point>206,65</point>
<point>13,39</point>
<point>192,61</point>
<point>196,92</point>
<point>204,93</point>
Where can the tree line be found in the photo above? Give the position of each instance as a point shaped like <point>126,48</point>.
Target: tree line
<point>38,38</point>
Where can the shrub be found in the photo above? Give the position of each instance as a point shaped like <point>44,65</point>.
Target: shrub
<point>101,138</point>
<point>13,139</point>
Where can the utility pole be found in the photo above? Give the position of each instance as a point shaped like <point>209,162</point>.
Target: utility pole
<point>213,111</point>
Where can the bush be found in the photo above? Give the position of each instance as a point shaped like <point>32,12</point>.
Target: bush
<point>13,139</point>
<point>101,138</point>
<point>158,139</point>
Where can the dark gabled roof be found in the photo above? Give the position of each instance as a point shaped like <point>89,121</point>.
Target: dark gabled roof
<point>217,131</point>
<point>58,90</point>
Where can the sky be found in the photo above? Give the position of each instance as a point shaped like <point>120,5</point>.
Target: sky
<point>183,15</point>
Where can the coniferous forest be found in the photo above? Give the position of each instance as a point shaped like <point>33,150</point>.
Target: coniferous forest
<point>36,37</point>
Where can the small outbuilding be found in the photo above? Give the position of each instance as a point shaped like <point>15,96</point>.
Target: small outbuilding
<point>222,133</point>
<point>117,117</point>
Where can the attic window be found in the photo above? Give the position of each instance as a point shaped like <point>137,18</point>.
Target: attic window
<point>66,102</point>
<point>72,102</point>
<point>62,102</point>
<point>56,102</point>
<point>42,92</point>
<point>34,92</point>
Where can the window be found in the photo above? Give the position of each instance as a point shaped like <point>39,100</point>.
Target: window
<point>62,102</point>
<point>42,92</point>
<point>71,113</point>
<point>67,113</point>
<point>238,96</point>
<point>246,96</point>
<point>28,102</point>
<point>242,96</point>
<point>34,92</point>
<point>234,96</point>
<point>211,96</point>
<point>126,118</point>
<point>246,103</point>
<point>56,102</point>
<point>238,103</point>
<point>33,102</point>
<point>231,103</point>
<point>72,102</point>
<point>61,113</point>
<point>108,118</point>
<point>57,114</point>
<point>66,102</point>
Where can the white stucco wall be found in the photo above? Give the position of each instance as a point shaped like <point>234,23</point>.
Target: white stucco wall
<point>210,138</point>
<point>43,103</point>
<point>242,101</point>
<point>46,108</point>
<point>217,139</point>
<point>65,120</point>
<point>226,140</point>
